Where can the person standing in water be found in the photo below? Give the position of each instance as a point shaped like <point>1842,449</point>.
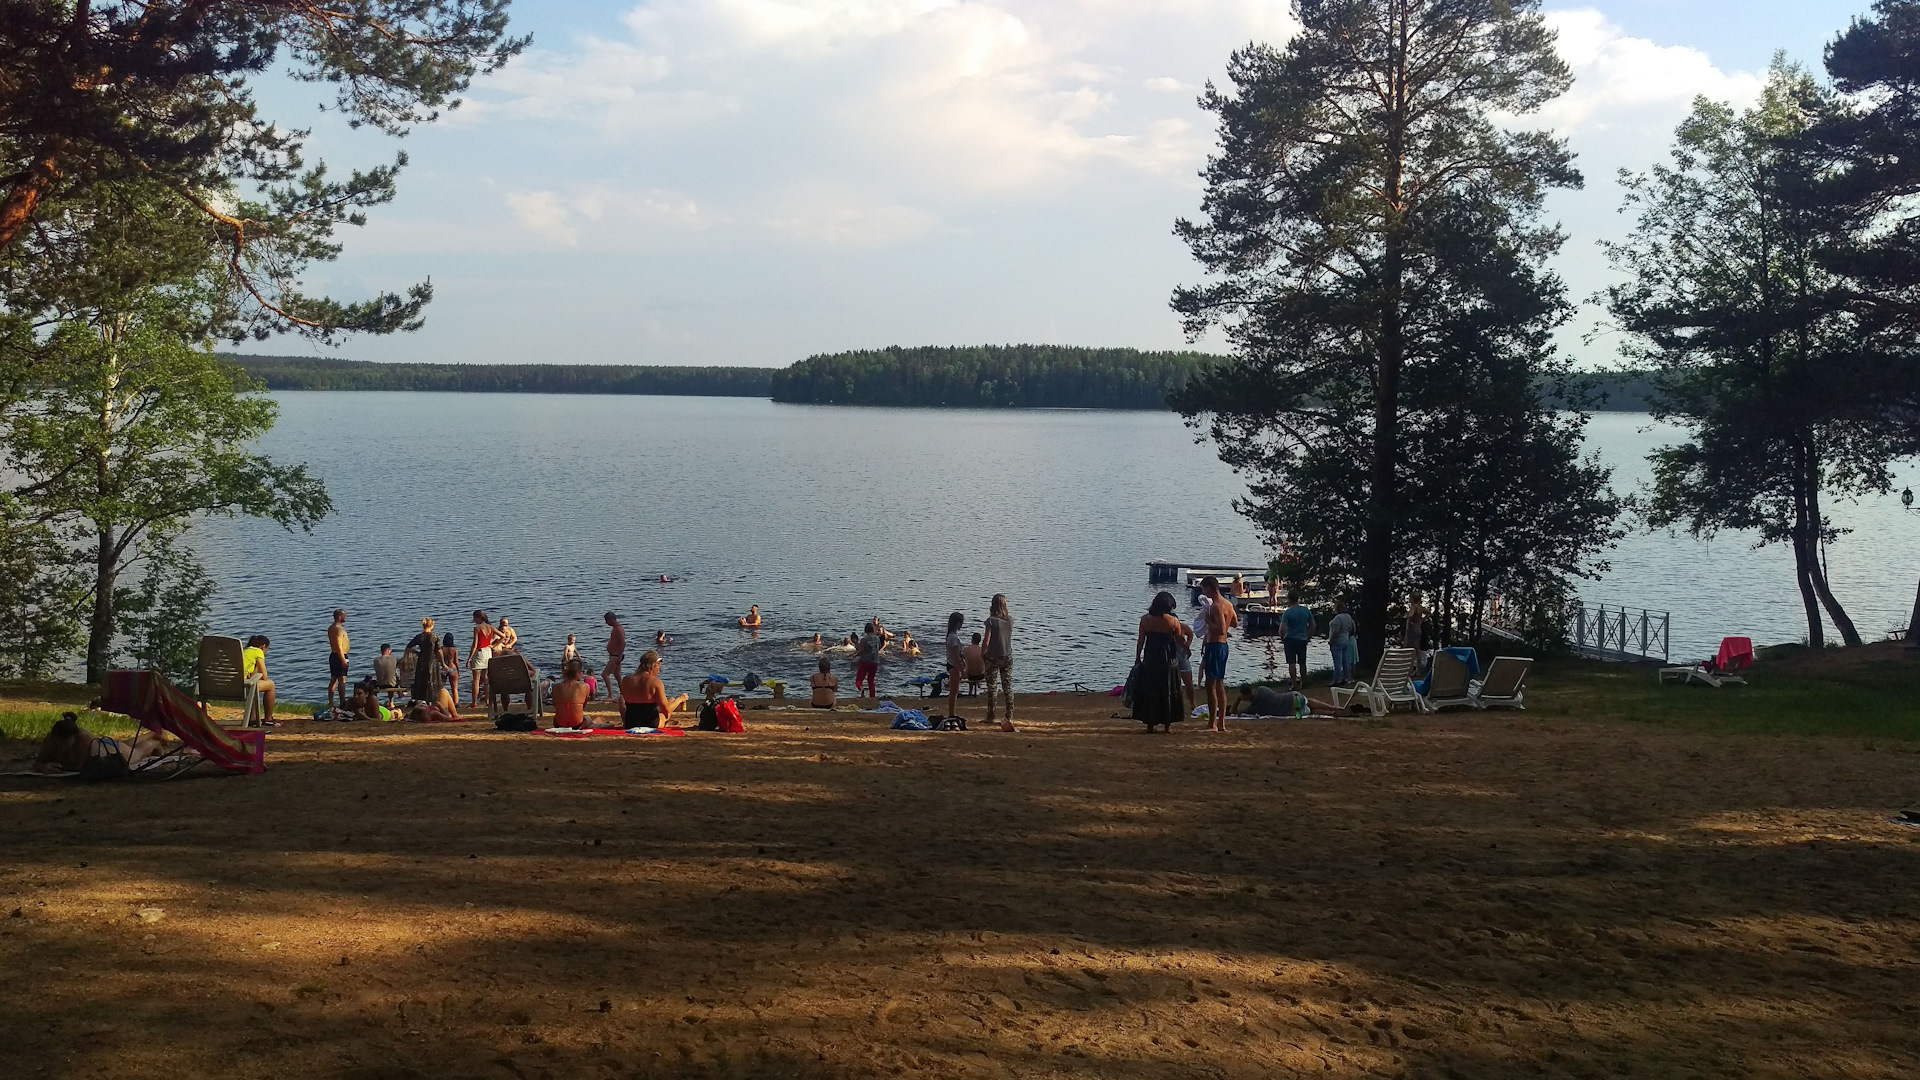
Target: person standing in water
<point>997,650</point>
<point>616,655</point>
<point>337,661</point>
<point>1296,629</point>
<point>866,668</point>
<point>1220,621</point>
<point>751,621</point>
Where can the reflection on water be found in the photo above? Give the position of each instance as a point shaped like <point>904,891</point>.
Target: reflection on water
<point>554,509</point>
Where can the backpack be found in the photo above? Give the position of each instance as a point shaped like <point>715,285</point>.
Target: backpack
<point>515,721</point>
<point>709,717</point>
<point>727,716</point>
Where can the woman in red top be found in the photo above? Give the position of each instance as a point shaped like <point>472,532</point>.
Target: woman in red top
<point>481,652</point>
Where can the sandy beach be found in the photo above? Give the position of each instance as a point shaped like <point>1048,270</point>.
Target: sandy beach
<point>1481,895</point>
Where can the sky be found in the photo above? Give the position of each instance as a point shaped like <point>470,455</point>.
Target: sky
<point>750,182</point>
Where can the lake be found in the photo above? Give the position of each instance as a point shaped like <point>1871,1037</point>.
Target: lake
<point>553,509</point>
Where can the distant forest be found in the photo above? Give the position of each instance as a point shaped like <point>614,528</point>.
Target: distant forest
<point>990,376</point>
<point>987,376</point>
<point>322,373</point>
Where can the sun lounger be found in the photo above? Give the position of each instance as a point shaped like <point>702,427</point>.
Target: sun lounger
<point>1449,685</point>
<point>1505,684</point>
<point>220,674</point>
<point>1392,685</point>
<point>153,703</point>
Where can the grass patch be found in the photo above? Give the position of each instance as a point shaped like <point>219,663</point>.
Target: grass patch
<point>1866,692</point>
<point>33,723</point>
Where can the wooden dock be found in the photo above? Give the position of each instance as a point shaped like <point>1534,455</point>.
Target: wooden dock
<point>1190,573</point>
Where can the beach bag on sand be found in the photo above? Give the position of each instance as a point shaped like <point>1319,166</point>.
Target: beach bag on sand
<point>709,717</point>
<point>726,717</point>
<point>515,721</point>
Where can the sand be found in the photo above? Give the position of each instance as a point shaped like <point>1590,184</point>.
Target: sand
<point>1467,896</point>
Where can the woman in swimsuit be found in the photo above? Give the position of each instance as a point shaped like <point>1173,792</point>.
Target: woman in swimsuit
<point>481,652</point>
<point>569,697</point>
<point>450,663</point>
<point>644,696</point>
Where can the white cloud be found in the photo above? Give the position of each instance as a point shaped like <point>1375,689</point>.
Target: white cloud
<point>542,213</point>
<point>606,218</point>
<point>1632,86</point>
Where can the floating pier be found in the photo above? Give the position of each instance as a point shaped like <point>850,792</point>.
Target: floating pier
<point>1190,573</point>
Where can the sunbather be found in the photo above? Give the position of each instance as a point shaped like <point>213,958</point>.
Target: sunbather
<point>644,697</point>
<point>825,685</point>
<point>569,697</point>
<point>366,702</point>
<point>69,747</point>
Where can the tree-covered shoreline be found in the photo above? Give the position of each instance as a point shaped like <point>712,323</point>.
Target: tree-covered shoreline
<point>879,380</point>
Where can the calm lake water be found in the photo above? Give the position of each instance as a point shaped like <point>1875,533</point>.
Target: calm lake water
<point>553,509</point>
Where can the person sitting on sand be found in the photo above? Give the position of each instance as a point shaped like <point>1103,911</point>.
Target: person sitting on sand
<point>751,621</point>
<point>569,697</point>
<point>425,713</point>
<point>661,637</point>
<point>69,747</point>
<point>825,685</point>
<point>908,646</point>
<point>644,697</point>
<point>253,661</point>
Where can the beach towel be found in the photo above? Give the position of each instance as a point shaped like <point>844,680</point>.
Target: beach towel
<point>911,720</point>
<point>630,733</point>
<point>885,706</point>
<point>154,703</point>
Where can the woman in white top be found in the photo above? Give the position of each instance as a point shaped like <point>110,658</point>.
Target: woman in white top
<point>996,649</point>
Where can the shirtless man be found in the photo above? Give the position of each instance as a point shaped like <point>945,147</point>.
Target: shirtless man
<point>1220,621</point>
<point>337,662</point>
<point>752,619</point>
<point>616,656</point>
<point>505,637</point>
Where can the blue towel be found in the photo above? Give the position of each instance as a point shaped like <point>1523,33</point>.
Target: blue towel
<point>912,720</point>
<point>886,706</point>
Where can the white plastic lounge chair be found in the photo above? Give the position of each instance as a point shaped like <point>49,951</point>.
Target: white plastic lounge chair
<point>1505,684</point>
<point>1702,674</point>
<point>220,675</point>
<point>1392,684</point>
<point>1449,688</point>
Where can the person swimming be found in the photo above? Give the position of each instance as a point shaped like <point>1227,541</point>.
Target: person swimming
<point>662,638</point>
<point>751,621</point>
<point>815,645</point>
<point>908,646</point>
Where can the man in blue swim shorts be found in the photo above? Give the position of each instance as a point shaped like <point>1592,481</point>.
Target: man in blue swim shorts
<point>1220,621</point>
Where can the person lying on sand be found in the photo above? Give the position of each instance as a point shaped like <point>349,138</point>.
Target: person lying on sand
<point>366,702</point>
<point>751,621</point>
<point>69,747</point>
<point>1266,701</point>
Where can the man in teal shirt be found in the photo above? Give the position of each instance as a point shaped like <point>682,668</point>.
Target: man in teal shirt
<point>1296,627</point>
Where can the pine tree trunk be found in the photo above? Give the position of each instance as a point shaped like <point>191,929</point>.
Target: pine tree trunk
<point>1913,622</point>
<point>100,628</point>
<point>1376,564</point>
<point>1848,635</point>
<point>17,209</point>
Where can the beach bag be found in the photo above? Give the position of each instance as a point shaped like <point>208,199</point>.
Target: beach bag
<point>709,717</point>
<point>1126,692</point>
<point>515,721</point>
<point>726,717</point>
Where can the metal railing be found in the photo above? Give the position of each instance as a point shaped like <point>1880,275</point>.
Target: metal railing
<point>1616,632</point>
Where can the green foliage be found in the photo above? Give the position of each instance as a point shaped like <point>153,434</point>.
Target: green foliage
<point>162,619</point>
<point>159,92</point>
<point>304,373</point>
<point>42,595</point>
<point>991,376</point>
<point>32,724</point>
<point>1754,344</point>
<point>1375,255</point>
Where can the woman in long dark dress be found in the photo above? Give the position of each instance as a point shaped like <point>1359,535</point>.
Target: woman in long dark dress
<point>1158,699</point>
<point>426,670</point>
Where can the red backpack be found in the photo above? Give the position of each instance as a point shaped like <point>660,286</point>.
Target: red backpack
<point>727,714</point>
